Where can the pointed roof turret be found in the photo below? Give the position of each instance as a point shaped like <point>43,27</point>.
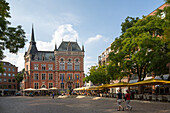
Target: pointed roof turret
<point>83,48</point>
<point>32,47</point>
<point>55,47</point>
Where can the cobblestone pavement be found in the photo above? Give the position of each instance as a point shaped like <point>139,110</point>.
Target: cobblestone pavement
<point>21,104</point>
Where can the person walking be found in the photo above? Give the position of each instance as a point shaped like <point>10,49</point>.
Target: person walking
<point>127,99</point>
<point>53,95</point>
<point>119,100</point>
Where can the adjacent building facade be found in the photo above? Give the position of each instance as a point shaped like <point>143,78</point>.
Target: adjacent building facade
<point>104,57</point>
<point>8,83</point>
<point>62,68</point>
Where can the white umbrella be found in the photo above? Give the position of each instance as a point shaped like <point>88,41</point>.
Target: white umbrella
<point>29,89</point>
<point>53,88</point>
<point>43,89</point>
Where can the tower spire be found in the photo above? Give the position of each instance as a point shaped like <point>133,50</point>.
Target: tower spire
<point>32,35</point>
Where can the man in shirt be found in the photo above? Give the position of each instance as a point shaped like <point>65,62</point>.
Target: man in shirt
<point>119,100</point>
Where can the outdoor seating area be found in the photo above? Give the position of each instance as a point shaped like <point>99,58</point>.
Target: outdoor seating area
<point>39,92</point>
<point>159,93</point>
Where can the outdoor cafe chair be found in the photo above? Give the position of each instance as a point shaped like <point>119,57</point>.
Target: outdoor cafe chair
<point>149,97</point>
<point>154,97</point>
<point>168,98</point>
<point>144,97</point>
<point>135,96</point>
<point>160,98</point>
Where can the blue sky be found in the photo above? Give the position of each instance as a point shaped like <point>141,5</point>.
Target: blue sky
<point>94,23</point>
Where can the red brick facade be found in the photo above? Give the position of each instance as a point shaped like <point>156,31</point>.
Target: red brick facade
<point>54,68</point>
<point>8,83</point>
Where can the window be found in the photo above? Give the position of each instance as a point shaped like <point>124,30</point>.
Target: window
<point>69,76</point>
<point>50,85</point>
<point>9,80</point>
<point>9,74</point>
<point>50,76</point>
<point>13,69</point>
<point>13,80</point>
<point>5,86</point>
<point>0,80</point>
<point>61,76</point>
<point>14,86</point>
<point>0,74</point>
<point>27,67</point>
<point>35,66</point>
<point>35,85</point>
<point>43,77</point>
<point>4,74</point>
<point>4,79</point>
<point>5,68</point>
<point>36,76</point>
<point>77,65</point>
<point>9,86</point>
<point>62,67</point>
<point>9,69</point>
<point>77,76</point>
<point>13,75</point>
<point>43,66</point>
<point>77,85</point>
<point>62,85</point>
<point>50,66</point>
<point>69,65</point>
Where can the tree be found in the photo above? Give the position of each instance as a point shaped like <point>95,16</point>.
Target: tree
<point>98,75</point>
<point>141,48</point>
<point>11,38</point>
<point>118,64</point>
<point>19,77</point>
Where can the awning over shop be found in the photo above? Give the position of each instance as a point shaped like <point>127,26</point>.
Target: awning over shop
<point>150,82</point>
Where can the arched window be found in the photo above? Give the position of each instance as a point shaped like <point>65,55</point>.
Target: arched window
<point>77,65</point>
<point>69,65</point>
<point>62,64</point>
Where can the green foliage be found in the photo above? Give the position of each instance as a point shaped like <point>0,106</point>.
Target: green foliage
<point>98,75</point>
<point>1,68</point>
<point>11,38</point>
<point>19,76</point>
<point>143,47</point>
<point>129,22</point>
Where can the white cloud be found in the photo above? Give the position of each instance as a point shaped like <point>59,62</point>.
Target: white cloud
<point>66,33</point>
<point>93,39</point>
<point>15,59</point>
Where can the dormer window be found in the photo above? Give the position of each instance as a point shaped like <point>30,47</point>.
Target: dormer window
<point>36,57</point>
<point>69,48</point>
<point>50,58</point>
<point>43,57</point>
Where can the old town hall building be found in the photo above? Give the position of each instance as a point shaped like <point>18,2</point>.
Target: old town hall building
<point>62,68</point>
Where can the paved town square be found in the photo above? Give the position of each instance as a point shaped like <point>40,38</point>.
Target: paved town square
<point>20,104</point>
